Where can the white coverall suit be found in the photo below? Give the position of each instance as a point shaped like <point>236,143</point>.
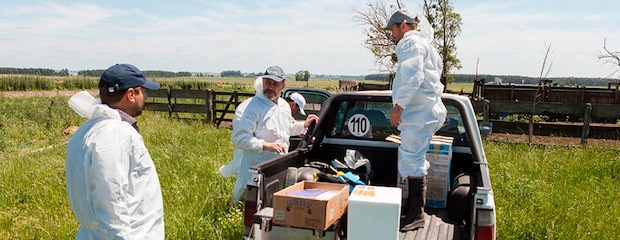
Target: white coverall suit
<point>259,120</point>
<point>417,89</point>
<point>112,183</point>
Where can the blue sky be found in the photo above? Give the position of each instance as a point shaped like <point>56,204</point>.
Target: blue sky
<point>321,36</point>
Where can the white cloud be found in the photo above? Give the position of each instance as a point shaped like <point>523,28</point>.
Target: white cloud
<point>594,17</point>
<point>50,18</point>
<point>320,36</point>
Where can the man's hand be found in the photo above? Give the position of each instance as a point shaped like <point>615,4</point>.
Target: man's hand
<point>311,118</point>
<point>395,115</point>
<point>273,147</point>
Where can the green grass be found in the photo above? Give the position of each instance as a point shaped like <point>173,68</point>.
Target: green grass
<point>464,87</point>
<point>33,200</point>
<point>244,84</point>
<point>541,192</point>
<point>547,192</point>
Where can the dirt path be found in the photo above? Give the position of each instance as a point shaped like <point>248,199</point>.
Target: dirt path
<point>53,93</point>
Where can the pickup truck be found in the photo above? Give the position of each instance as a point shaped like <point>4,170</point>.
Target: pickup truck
<point>470,210</point>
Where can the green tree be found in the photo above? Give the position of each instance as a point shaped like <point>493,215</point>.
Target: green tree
<point>447,25</point>
<point>302,75</point>
<point>231,73</point>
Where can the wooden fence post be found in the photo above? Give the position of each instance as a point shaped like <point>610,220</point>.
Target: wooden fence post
<point>169,102</point>
<point>214,106</point>
<point>586,123</point>
<point>209,106</point>
<point>486,110</point>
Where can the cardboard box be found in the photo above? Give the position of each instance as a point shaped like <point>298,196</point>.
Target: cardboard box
<point>312,205</point>
<point>374,213</point>
<point>264,229</point>
<point>439,156</point>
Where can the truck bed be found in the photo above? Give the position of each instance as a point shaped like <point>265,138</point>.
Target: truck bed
<point>437,227</point>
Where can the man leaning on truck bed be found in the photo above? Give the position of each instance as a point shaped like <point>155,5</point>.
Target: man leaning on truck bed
<point>263,125</point>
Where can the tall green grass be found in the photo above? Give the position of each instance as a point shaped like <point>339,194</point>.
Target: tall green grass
<point>34,122</point>
<point>33,200</point>
<point>29,83</point>
<point>550,192</point>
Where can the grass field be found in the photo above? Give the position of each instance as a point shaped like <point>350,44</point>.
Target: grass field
<point>28,83</point>
<point>541,192</point>
<point>33,201</point>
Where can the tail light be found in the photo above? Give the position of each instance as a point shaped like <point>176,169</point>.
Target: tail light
<point>251,206</point>
<point>485,224</point>
<point>250,210</point>
<point>485,233</point>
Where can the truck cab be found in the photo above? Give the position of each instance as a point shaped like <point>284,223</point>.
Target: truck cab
<point>470,209</point>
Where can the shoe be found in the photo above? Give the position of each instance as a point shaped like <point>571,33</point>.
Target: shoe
<point>415,217</point>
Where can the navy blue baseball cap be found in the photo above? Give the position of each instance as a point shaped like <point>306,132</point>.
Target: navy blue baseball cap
<point>124,76</point>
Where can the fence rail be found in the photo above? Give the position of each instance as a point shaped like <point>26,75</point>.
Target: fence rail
<point>218,107</point>
<point>204,105</point>
<point>582,116</point>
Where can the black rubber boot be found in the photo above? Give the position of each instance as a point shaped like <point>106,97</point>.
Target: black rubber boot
<point>415,217</point>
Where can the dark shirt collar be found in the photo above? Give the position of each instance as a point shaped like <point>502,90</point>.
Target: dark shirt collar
<point>129,119</point>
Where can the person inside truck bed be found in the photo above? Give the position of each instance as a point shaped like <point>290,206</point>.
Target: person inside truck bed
<point>262,126</point>
<point>418,110</point>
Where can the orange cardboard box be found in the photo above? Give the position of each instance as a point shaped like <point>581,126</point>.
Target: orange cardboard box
<point>312,205</point>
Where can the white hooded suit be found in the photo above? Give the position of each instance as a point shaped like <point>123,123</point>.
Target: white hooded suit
<point>259,120</point>
<point>417,89</point>
<point>112,183</point>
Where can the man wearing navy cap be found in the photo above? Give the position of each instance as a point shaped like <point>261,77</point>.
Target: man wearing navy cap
<point>112,183</point>
<point>418,110</point>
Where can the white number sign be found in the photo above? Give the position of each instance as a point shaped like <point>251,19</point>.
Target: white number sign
<point>359,125</point>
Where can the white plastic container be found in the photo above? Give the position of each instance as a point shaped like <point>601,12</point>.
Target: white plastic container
<point>374,213</point>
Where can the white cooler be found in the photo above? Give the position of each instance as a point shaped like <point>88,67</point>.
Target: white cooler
<point>374,213</point>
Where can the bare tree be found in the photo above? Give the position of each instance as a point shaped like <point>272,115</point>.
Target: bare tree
<point>373,18</point>
<point>610,57</point>
<point>539,90</point>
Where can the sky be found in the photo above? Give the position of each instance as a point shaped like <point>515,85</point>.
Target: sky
<point>507,37</point>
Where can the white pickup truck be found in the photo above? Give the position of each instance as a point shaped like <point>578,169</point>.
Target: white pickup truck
<point>470,211</point>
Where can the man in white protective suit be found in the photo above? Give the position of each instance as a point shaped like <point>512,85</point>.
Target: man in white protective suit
<point>112,184</point>
<point>418,110</point>
<point>297,102</point>
<point>263,125</point>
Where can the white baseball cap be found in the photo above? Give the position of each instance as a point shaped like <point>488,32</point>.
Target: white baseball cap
<point>300,100</point>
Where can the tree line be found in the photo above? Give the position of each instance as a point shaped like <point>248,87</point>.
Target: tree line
<point>34,71</point>
<point>147,73</point>
<point>509,79</point>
